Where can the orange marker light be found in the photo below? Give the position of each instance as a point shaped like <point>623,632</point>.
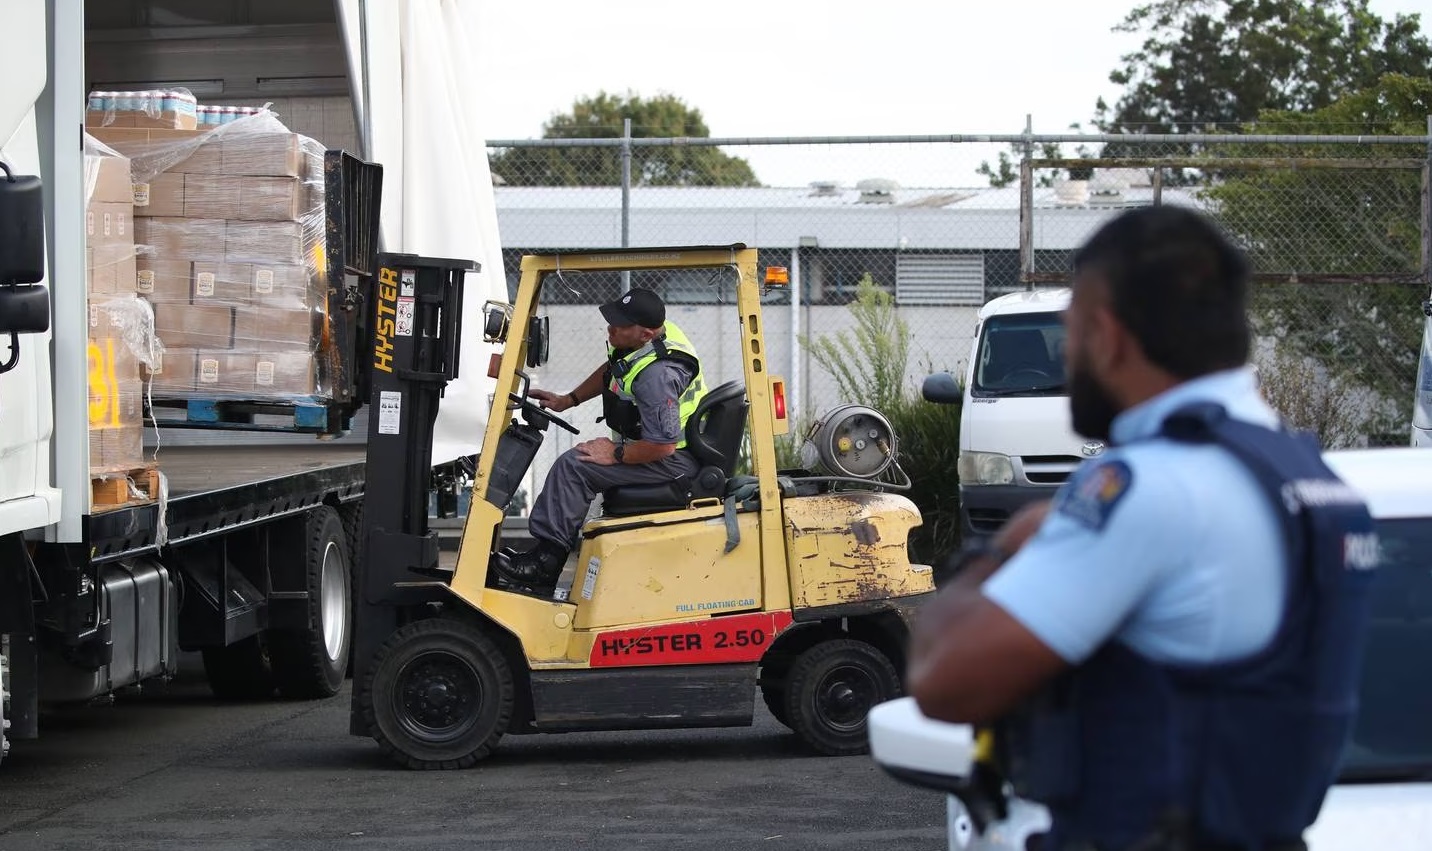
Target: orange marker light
<point>778,398</point>
<point>778,276</point>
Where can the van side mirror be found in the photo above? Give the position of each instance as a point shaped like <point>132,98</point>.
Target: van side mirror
<point>942,388</point>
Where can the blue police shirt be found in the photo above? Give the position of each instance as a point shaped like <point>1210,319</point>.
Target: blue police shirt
<point>1170,548</point>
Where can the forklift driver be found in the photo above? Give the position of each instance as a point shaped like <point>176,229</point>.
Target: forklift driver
<point>650,384</point>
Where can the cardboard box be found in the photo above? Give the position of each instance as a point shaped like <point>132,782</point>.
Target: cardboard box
<point>264,242</point>
<point>174,375</point>
<point>110,269</point>
<point>225,374</point>
<point>114,450</point>
<point>164,147</point>
<point>284,374</point>
<point>165,119</point>
<point>255,199</point>
<point>195,326</point>
<point>107,179</point>
<point>286,287</point>
<point>109,224</point>
<point>164,281</point>
<point>264,155</point>
<point>110,315</point>
<point>182,239</point>
<point>161,196</point>
<point>267,329</point>
<point>223,283</point>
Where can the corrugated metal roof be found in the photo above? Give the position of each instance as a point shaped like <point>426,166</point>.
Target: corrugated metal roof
<point>768,217</point>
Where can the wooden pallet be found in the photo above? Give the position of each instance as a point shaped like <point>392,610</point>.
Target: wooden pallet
<point>308,415</point>
<point>117,489</point>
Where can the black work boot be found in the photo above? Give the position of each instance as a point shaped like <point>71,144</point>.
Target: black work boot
<point>535,571</point>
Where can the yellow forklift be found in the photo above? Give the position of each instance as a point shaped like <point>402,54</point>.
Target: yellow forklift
<point>686,598</point>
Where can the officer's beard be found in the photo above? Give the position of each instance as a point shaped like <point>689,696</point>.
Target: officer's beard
<point>1091,407</point>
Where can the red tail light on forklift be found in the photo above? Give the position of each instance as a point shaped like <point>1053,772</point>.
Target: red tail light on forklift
<point>779,422</point>
<point>778,276</point>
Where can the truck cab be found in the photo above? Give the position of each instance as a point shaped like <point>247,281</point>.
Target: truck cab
<point>1016,442</point>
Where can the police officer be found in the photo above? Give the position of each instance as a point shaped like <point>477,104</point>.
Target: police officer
<point>1180,631</point>
<point>650,384</point>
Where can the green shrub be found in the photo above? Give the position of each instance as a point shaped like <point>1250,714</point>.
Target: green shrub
<point>868,364</point>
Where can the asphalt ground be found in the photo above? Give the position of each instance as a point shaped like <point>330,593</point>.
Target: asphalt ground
<point>173,768</point>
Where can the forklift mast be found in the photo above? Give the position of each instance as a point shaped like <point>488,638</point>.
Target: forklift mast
<point>414,331</point>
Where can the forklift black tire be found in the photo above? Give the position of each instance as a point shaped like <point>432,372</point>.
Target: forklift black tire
<point>830,690</point>
<point>774,672</point>
<point>312,663</point>
<point>241,671</point>
<point>439,694</point>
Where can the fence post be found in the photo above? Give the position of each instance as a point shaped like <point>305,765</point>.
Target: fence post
<point>1026,206</point>
<point>1427,210</point>
<point>626,195</point>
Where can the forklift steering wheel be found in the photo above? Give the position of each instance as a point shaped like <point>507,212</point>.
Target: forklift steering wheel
<point>531,409</point>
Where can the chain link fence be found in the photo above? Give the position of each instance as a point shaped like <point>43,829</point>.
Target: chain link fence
<point>1337,228</point>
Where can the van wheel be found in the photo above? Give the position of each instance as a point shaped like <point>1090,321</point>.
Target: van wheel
<point>241,671</point>
<point>439,694</point>
<point>831,688</point>
<point>311,663</point>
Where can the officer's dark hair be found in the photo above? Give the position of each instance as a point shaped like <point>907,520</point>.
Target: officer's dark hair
<point>1178,284</point>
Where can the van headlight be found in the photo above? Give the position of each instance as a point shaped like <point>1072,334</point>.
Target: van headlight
<point>985,468</point>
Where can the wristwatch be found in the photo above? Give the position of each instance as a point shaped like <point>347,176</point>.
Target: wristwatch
<point>575,400</point>
<point>619,453</point>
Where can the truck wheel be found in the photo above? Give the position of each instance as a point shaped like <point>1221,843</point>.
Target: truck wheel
<point>831,688</point>
<point>439,694</point>
<point>241,671</point>
<point>311,663</point>
<point>4,699</point>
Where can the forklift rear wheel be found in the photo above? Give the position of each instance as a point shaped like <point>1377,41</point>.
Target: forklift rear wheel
<point>312,662</point>
<point>774,672</point>
<point>831,688</point>
<point>438,695</point>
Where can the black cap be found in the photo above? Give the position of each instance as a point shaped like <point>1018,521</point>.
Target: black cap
<point>638,307</point>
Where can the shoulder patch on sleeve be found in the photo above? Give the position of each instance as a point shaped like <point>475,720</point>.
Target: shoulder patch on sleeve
<point>1094,492</point>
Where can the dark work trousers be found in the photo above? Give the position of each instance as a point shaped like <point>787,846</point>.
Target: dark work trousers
<point>572,484</point>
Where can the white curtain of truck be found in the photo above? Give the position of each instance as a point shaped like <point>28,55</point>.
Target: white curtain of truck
<point>415,90</point>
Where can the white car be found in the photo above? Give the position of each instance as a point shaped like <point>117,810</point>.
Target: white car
<point>1383,801</point>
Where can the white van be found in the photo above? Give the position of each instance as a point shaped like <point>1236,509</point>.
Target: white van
<point>1016,442</point>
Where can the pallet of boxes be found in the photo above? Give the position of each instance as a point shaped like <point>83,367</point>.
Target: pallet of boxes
<point>120,336</point>
<point>229,226</point>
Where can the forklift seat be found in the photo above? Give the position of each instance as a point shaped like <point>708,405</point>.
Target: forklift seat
<point>713,435</point>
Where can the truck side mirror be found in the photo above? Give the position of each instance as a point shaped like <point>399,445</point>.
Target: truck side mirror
<point>942,388</point>
<point>24,309</point>
<point>22,229</point>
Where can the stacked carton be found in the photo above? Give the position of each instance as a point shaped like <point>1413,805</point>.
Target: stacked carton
<point>115,386</point>
<point>230,226</point>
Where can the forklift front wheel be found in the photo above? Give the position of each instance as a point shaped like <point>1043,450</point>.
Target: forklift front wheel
<point>831,688</point>
<point>438,695</point>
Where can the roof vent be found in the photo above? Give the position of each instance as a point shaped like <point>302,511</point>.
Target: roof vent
<point>1108,185</point>
<point>824,188</point>
<point>1071,193</point>
<point>877,190</point>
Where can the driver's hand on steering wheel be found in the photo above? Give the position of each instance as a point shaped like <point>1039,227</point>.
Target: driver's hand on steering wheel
<point>552,401</point>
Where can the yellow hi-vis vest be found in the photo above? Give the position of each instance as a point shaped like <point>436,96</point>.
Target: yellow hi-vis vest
<point>619,405</point>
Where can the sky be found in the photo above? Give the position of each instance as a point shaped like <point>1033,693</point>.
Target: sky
<point>787,68</point>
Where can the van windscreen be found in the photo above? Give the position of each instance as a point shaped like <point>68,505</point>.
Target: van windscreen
<point>1021,355</point>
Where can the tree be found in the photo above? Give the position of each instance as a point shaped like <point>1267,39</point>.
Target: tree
<point>1207,62</point>
<point>600,117</point>
<point>1362,225</point>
